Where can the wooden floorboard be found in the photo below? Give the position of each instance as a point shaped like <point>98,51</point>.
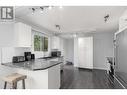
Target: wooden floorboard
<point>74,78</point>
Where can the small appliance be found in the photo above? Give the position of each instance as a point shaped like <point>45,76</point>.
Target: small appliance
<point>27,56</point>
<point>56,53</point>
<point>32,56</point>
<point>17,59</point>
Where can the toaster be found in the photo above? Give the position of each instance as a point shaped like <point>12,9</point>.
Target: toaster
<point>17,59</point>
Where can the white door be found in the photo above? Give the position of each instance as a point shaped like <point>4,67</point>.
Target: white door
<point>85,52</point>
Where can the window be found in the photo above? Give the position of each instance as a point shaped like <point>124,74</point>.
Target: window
<point>40,43</point>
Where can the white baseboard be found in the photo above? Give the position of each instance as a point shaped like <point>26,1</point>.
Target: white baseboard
<point>99,68</point>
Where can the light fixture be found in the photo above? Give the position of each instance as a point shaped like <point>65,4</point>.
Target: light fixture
<point>33,10</point>
<point>50,7</point>
<point>41,8</point>
<point>106,17</point>
<point>58,27</point>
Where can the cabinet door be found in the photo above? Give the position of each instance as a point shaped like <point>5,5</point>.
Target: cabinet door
<point>55,43</point>
<point>54,77</point>
<point>22,35</point>
<point>27,36</point>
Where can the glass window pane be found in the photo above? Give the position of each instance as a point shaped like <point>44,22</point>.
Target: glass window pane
<point>42,43</point>
<point>37,40</point>
<point>45,44</point>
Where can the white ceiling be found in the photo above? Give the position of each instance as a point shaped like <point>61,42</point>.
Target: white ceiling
<point>74,18</point>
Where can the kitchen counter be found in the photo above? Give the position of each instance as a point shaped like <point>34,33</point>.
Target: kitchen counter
<point>41,73</point>
<point>37,64</point>
<point>50,57</point>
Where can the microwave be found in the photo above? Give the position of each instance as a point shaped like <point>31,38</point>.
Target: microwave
<point>56,53</point>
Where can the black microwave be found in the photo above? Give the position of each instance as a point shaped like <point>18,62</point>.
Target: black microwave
<point>56,53</point>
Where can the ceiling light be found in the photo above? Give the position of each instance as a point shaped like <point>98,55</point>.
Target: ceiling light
<point>106,17</point>
<point>50,7</point>
<point>41,11</point>
<point>33,10</point>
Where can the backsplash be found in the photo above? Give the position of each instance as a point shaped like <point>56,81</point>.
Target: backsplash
<point>19,51</point>
<point>8,52</point>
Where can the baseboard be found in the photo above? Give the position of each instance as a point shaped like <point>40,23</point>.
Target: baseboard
<point>85,68</point>
<point>99,68</point>
<point>92,68</point>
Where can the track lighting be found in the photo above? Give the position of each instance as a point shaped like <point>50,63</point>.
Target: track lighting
<point>41,9</point>
<point>106,17</point>
<point>33,10</point>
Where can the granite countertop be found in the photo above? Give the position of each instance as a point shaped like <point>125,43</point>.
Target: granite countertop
<point>50,57</point>
<point>37,64</point>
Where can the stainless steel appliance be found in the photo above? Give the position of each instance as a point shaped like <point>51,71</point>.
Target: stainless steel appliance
<point>56,53</point>
<point>17,59</point>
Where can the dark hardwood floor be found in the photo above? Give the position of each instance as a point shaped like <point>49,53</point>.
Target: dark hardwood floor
<point>74,78</point>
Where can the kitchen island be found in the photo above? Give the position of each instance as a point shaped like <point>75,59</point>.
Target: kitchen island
<point>41,74</point>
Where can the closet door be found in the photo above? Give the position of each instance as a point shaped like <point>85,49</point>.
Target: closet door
<point>85,52</point>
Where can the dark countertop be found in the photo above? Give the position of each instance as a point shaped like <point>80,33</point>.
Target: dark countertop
<point>50,57</point>
<point>37,64</point>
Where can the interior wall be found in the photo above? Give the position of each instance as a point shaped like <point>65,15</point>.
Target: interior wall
<point>69,50</point>
<point>6,40</point>
<point>102,48</point>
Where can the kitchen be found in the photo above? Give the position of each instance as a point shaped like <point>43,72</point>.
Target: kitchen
<point>44,43</point>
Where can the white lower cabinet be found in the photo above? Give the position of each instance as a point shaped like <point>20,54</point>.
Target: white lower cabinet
<point>41,79</point>
<point>54,77</point>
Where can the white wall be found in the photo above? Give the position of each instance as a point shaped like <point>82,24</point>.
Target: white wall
<point>102,48</point>
<point>6,36</point>
<point>69,50</point>
<point>6,40</point>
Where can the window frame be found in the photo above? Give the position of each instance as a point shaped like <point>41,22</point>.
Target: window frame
<point>41,35</point>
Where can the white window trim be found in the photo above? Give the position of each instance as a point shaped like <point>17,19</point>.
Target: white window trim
<point>34,32</point>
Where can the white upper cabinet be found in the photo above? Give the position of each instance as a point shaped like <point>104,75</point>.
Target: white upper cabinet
<point>22,35</point>
<point>55,43</point>
<point>123,21</point>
